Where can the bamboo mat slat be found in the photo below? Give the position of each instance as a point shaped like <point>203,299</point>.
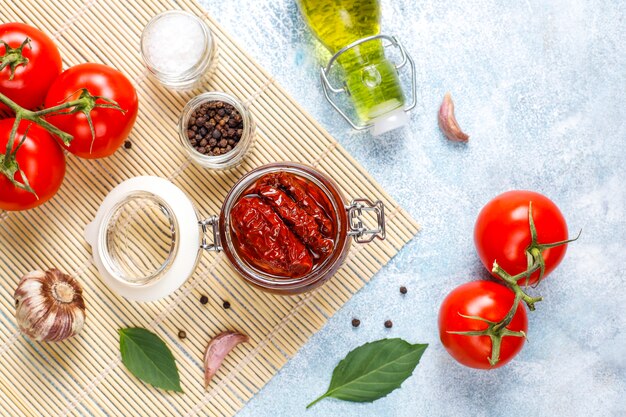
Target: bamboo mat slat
<point>84,375</point>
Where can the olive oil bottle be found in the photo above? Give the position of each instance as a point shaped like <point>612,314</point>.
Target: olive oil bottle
<point>370,78</point>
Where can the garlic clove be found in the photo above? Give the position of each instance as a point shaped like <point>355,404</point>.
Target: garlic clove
<point>217,350</point>
<point>447,121</point>
<point>49,306</point>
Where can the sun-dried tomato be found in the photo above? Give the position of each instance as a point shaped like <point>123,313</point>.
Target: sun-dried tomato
<point>283,225</point>
<point>309,197</point>
<point>266,242</point>
<point>303,225</point>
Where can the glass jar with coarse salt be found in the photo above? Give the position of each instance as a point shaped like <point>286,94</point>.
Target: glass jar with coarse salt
<point>178,49</point>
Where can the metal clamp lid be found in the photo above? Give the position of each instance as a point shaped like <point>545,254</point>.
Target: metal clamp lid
<point>358,231</point>
<point>393,41</point>
<point>216,246</point>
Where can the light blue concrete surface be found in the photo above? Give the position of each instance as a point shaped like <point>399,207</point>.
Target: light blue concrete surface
<point>540,87</point>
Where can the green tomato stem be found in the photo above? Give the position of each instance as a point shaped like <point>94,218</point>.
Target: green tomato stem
<point>11,141</point>
<point>534,251</point>
<point>84,104</point>
<point>511,282</point>
<point>59,108</point>
<point>35,117</point>
<point>496,331</point>
<point>13,57</point>
<point>8,164</point>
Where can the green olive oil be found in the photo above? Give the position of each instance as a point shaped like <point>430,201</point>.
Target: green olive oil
<point>371,79</point>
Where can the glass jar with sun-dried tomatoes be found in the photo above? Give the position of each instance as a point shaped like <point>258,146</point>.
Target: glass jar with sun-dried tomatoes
<point>284,227</point>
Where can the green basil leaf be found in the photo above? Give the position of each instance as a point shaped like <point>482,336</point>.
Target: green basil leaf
<point>147,357</point>
<point>373,370</point>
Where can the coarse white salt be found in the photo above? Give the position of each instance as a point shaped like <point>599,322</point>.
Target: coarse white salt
<point>174,43</point>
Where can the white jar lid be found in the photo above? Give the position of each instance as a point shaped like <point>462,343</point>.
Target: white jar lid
<point>145,238</point>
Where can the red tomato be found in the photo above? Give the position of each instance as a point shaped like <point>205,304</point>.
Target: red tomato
<point>31,81</point>
<point>491,301</point>
<point>502,232</point>
<point>42,161</point>
<point>111,125</point>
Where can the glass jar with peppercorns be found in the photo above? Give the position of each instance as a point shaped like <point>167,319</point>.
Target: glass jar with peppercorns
<point>216,130</point>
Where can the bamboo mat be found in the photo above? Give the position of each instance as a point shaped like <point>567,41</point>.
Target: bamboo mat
<point>84,375</point>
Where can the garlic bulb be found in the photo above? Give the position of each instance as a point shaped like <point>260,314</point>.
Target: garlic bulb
<point>49,305</point>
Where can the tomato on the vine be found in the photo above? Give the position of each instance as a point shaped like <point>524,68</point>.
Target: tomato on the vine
<point>29,67</point>
<point>489,301</point>
<point>502,233</point>
<point>41,160</point>
<point>111,126</point>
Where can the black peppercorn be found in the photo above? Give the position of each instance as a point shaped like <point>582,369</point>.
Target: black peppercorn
<point>226,305</point>
<point>182,334</point>
<point>204,299</point>
<point>128,144</point>
<point>389,324</point>
<point>403,290</point>
<point>356,322</point>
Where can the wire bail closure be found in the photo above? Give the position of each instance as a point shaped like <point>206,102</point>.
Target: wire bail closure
<point>406,58</point>
<point>358,231</point>
<point>216,246</point>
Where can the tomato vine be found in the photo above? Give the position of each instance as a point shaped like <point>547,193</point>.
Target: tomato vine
<point>496,331</point>
<point>85,103</point>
